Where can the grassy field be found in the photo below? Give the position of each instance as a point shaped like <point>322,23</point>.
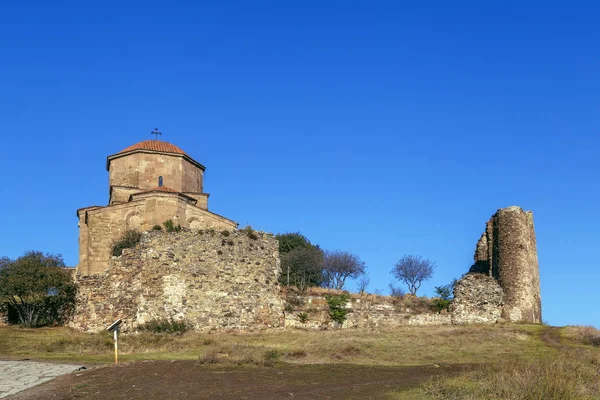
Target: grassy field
<point>503,361</point>
<point>409,345</point>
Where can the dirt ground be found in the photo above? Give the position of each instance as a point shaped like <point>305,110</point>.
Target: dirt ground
<point>189,380</point>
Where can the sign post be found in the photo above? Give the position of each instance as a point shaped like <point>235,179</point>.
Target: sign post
<point>116,346</point>
<point>114,327</point>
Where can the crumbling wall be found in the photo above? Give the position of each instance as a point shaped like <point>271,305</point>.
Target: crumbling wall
<point>212,280</point>
<point>478,299</point>
<point>507,252</point>
<point>309,310</point>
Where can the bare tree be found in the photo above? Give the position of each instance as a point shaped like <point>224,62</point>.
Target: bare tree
<point>340,265</point>
<point>413,271</point>
<point>363,283</point>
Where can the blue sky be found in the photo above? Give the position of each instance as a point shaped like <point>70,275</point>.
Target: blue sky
<point>381,128</point>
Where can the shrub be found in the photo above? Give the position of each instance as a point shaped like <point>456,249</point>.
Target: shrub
<point>271,355</point>
<point>584,334</point>
<point>303,317</point>
<point>289,307</point>
<point>166,326</point>
<point>438,305</point>
<point>171,227</point>
<point>129,239</point>
<point>209,356</point>
<point>36,289</point>
<point>572,375</point>
<point>396,292</point>
<point>296,354</point>
<point>250,232</point>
<point>337,303</point>
<point>157,228</point>
<point>225,233</point>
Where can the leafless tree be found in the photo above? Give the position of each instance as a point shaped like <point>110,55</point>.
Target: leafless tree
<point>413,271</point>
<point>340,265</point>
<point>363,283</point>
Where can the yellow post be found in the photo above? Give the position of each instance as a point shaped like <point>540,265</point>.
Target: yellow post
<point>116,347</point>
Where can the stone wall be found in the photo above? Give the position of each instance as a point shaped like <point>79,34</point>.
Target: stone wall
<point>507,252</point>
<point>214,281</point>
<point>141,170</point>
<point>99,227</point>
<point>478,299</point>
<point>310,311</point>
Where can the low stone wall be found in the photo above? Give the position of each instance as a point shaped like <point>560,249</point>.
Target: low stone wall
<point>214,281</point>
<point>310,311</point>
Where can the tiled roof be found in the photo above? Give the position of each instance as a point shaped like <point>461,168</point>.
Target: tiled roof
<point>154,145</point>
<point>159,189</point>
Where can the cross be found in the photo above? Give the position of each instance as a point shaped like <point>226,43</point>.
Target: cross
<point>156,132</point>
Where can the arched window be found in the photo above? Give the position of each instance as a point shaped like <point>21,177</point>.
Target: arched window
<point>160,181</point>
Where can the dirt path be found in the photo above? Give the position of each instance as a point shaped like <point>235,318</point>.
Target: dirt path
<point>551,336</point>
<point>188,380</point>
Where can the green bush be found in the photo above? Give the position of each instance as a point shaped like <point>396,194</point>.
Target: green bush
<point>271,355</point>
<point>171,227</point>
<point>438,305</point>
<point>157,228</point>
<point>166,326</point>
<point>129,239</point>
<point>337,303</point>
<point>303,317</point>
<point>225,233</point>
<point>36,290</point>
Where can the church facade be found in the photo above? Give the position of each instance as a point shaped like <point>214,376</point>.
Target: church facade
<point>149,182</point>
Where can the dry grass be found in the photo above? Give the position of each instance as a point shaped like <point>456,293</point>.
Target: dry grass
<point>508,361</point>
<point>573,375</point>
<point>409,345</point>
<point>239,355</point>
<point>587,335</point>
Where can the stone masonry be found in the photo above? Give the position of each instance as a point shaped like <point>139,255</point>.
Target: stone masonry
<point>310,311</point>
<point>507,253</point>
<point>16,376</point>
<point>213,280</point>
<point>149,182</point>
<point>478,299</point>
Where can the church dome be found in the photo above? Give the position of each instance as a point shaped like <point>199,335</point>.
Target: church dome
<point>154,145</point>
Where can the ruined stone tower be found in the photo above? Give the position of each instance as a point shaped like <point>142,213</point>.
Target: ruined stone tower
<point>507,252</point>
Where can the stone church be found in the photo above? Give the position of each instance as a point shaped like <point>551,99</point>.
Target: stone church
<point>149,182</point>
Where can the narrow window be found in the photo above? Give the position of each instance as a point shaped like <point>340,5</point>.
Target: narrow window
<point>160,183</point>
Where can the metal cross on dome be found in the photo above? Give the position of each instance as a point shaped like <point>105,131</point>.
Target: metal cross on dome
<point>156,132</point>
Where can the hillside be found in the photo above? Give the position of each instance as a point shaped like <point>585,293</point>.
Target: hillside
<point>440,362</point>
